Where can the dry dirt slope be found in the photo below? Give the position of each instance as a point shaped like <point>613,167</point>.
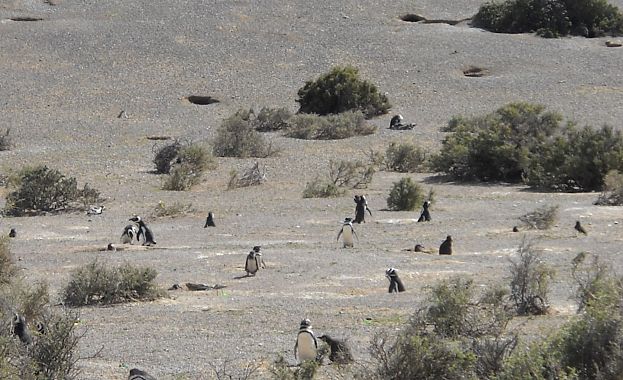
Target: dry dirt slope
<point>64,80</point>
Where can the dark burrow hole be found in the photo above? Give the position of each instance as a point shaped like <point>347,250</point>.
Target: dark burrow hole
<point>26,18</point>
<point>202,100</point>
<point>474,71</point>
<point>412,17</point>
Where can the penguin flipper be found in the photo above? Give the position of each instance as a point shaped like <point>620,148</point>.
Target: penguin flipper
<point>338,235</point>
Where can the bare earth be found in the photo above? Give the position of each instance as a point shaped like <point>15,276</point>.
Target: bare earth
<point>64,79</point>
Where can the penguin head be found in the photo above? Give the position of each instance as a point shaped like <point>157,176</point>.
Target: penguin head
<point>348,220</point>
<point>448,238</point>
<point>135,219</point>
<point>305,323</point>
<point>325,338</point>
<point>390,272</point>
<point>256,248</point>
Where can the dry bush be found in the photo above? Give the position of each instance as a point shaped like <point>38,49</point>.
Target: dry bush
<point>96,284</point>
<point>351,174</point>
<point>224,370</point>
<point>530,281</point>
<point>596,283</point>
<point>253,176</point>
<point>166,155</point>
<point>271,119</point>
<point>7,269</point>
<point>172,210</point>
<point>330,127</point>
<point>405,158</point>
<point>282,371</point>
<point>187,165</point>
<point>321,188</point>
<point>541,218</point>
<point>612,194</point>
<point>405,195</point>
<point>237,137</point>
<point>6,143</point>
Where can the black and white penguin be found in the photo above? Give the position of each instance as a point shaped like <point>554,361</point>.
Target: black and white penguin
<point>578,227</point>
<point>306,347</point>
<point>41,329</point>
<point>13,233</point>
<point>129,233</point>
<point>254,261</point>
<point>137,374</point>
<point>396,121</point>
<point>425,215</point>
<point>210,220</point>
<point>21,329</point>
<point>360,209</point>
<point>95,210</point>
<point>347,232</point>
<point>446,247</point>
<point>148,236</point>
<point>340,352</point>
<point>395,284</point>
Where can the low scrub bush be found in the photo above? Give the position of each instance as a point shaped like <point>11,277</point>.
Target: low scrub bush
<point>405,158</point>
<point>40,189</point>
<point>542,218</point>
<point>184,164</point>
<point>339,91</point>
<point>520,142</point>
<point>171,210</point>
<point>166,155</point>
<point>551,18</point>
<point>343,174</point>
<point>331,127</point>
<point>405,195</point>
<point>271,119</point>
<point>530,281</point>
<point>612,194</point>
<point>237,137</point>
<point>6,142</point>
<point>597,286</point>
<point>253,176</point>
<point>322,188</point>
<point>7,268</point>
<point>97,284</point>
<point>281,370</point>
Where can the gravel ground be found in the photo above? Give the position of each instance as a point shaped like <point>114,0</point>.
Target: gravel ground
<point>65,79</point>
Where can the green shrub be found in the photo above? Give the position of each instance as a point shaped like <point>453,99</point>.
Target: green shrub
<point>405,158</point>
<point>330,127</point>
<point>597,287</point>
<point>405,195</point>
<point>181,178</point>
<point>184,164</point>
<point>271,119</point>
<point>530,281</point>
<point>612,194</point>
<point>321,188</point>
<point>281,370</point>
<point>236,137</point>
<point>551,18</point>
<point>40,189</point>
<point>6,143</point>
<point>95,283</point>
<point>342,90</point>
<point>542,218</point>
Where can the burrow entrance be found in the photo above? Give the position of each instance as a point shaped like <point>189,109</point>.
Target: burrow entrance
<point>475,72</point>
<point>201,100</point>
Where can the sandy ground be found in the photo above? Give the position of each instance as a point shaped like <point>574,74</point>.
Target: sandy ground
<point>65,79</point>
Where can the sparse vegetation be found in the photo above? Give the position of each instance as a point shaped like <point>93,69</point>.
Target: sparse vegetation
<point>551,18</point>
<point>40,189</point>
<point>184,164</point>
<point>542,218</point>
<point>253,176</point>
<point>7,268</point>
<point>405,158</point>
<point>342,174</point>
<point>6,142</point>
<point>281,370</point>
<point>237,137</point>
<point>271,119</point>
<point>321,188</point>
<point>172,210</point>
<point>97,284</point>
<point>339,91</point>
<point>330,127</point>
<point>612,194</point>
<point>405,195</point>
<point>530,281</point>
<point>166,155</point>
<point>520,142</point>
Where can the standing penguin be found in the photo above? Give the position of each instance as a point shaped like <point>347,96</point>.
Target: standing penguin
<point>446,247</point>
<point>347,232</point>
<point>395,285</point>
<point>137,374</point>
<point>13,233</point>
<point>21,329</point>
<point>306,347</point>
<point>340,352</point>
<point>425,216</point>
<point>254,261</point>
<point>360,209</point>
<point>578,227</point>
<point>129,233</point>
<point>395,122</point>
<point>210,220</point>
<point>143,230</point>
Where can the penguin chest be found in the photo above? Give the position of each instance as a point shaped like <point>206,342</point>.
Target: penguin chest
<point>306,346</point>
<point>347,236</point>
<point>251,265</point>
<point>126,238</point>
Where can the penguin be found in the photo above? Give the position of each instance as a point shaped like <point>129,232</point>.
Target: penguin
<point>418,248</point>
<point>347,231</point>
<point>144,230</point>
<point>340,352</point>
<point>515,229</point>
<point>41,329</point>
<point>21,329</point>
<point>395,285</point>
<point>254,261</point>
<point>395,122</point>
<point>137,374</point>
<point>129,233</point>
<point>210,220</point>
<point>578,227</point>
<point>95,210</point>
<point>13,233</point>
<point>360,209</point>
<point>446,247</point>
<point>306,347</point>
<point>425,216</point>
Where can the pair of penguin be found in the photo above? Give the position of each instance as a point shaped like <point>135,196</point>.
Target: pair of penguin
<point>131,231</point>
<point>254,261</point>
<point>306,346</point>
<point>19,328</point>
<point>361,206</point>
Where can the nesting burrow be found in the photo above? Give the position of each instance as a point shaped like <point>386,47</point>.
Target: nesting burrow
<point>25,18</point>
<point>412,17</point>
<point>201,100</point>
<point>475,72</point>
